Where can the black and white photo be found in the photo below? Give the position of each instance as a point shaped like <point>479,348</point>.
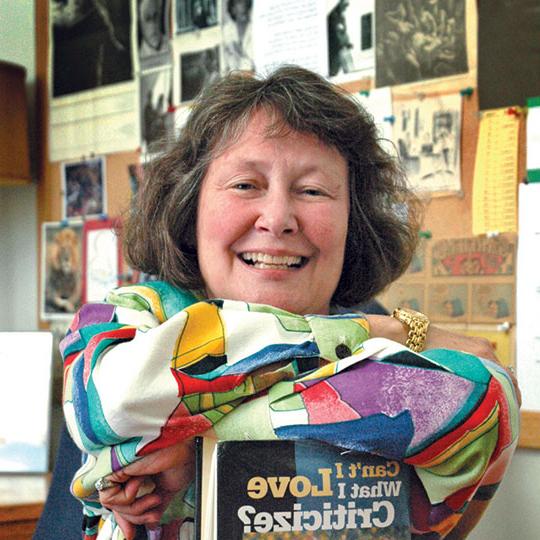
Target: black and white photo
<point>419,40</point>
<point>153,32</point>
<point>193,15</point>
<point>91,44</point>
<point>198,69</point>
<point>237,35</point>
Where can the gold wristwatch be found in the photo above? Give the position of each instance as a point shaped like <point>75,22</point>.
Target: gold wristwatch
<point>417,324</point>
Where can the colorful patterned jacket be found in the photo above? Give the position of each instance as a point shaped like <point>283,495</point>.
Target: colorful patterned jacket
<point>152,366</point>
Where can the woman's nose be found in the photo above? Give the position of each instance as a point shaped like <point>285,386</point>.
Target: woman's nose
<point>277,215</point>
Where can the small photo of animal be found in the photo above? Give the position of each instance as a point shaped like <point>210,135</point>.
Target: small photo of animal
<point>63,269</point>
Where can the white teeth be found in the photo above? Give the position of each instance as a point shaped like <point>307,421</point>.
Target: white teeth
<point>264,260</point>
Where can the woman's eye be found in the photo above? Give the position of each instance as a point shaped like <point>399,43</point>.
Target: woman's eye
<point>243,186</point>
<point>313,192</point>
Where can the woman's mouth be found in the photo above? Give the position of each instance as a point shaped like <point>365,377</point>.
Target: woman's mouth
<point>274,262</point>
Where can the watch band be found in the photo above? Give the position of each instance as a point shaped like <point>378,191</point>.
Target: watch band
<point>417,324</point>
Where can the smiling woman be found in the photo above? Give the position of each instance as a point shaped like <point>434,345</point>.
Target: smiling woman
<point>275,208</point>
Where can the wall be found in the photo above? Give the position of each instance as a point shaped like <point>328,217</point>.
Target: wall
<point>514,513</point>
<point>18,219</point>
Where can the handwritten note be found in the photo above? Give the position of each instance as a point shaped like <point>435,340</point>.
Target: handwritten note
<point>496,173</point>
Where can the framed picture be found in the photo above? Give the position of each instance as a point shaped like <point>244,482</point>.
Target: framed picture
<point>102,259</point>
<point>61,275</point>
<point>83,187</point>
<point>25,398</point>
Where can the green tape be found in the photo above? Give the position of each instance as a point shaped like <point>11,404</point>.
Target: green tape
<point>533,101</point>
<point>533,175</point>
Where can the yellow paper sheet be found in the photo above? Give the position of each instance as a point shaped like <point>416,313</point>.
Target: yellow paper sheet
<point>496,173</point>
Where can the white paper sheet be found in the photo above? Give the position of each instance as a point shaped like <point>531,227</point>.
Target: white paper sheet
<point>528,297</point>
<point>378,102</point>
<point>533,136</point>
<point>290,32</point>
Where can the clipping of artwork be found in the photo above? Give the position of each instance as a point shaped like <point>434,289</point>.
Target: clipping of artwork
<point>156,100</point>
<point>198,69</point>
<point>427,134</point>
<point>102,259</point>
<point>237,35</point>
<point>191,16</point>
<point>91,45</point>
<point>419,40</point>
<point>474,256</point>
<point>153,36</point>
<point>83,186</point>
<point>350,28</point>
<point>493,302</point>
<point>287,32</point>
<point>61,287</point>
<point>25,392</point>
<point>93,106</point>
<point>448,302</point>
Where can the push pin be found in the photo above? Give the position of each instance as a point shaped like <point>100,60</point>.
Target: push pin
<point>391,119</point>
<point>513,111</point>
<point>468,91</point>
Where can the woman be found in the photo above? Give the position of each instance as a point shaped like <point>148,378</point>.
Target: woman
<point>276,194</point>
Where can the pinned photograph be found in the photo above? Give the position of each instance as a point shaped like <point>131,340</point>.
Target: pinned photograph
<point>61,272</point>
<point>427,134</point>
<point>493,302</point>
<point>198,70</point>
<point>83,186</point>
<point>419,40</point>
<point>156,100</point>
<point>448,302</point>
<point>237,35</point>
<point>193,15</point>
<point>153,32</point>
<point>91,44</point>
<point>350,38</point>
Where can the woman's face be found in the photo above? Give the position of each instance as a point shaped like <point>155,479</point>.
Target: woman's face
<point>272,220</point>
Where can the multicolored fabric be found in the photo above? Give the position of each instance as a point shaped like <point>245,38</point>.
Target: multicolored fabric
<point>153,366</point>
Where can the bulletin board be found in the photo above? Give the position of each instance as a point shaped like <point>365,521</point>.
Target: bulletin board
<point>446,217</point>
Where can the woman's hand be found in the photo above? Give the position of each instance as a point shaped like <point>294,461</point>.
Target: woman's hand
<point>144,489</point>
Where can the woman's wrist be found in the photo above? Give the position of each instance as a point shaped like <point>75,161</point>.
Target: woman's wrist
<point>387,327</point>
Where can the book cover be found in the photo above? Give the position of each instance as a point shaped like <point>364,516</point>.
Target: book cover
<point>277,490</point>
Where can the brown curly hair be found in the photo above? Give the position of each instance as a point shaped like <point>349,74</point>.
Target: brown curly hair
<point>384,214</point>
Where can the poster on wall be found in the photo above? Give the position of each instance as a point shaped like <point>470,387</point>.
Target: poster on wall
<point>153,33</point>
<point>419,40</point>
<point>350,27</point>
<point>291,33</point>
<point>427,134</point>
<point>102,259</point>
<point>61,285</point>
<point>190,16</point>
<point>25,398</point>
<point>83,188</point>
<point>93,107</point>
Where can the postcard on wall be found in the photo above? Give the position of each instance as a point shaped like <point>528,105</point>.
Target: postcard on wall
<point>102,259</point>
<point>237,35</point>
<point>448,302</point>
<point>351,45</point>
<point>25,398</point>
<point>492,302</point>
<point>533,139</point>
<point>427,133</point>
<point>496,173</point>
<point>153,33</point>
<point>474,256</point>
<point>93,92</point>
<point>83,188</point>
<point>404,294</point>
<point>156,102</point>
<point>190,16</point>
<point>61,269</point>
<point>528,296</point>
<point>287,32</point>
<point>419,40</point>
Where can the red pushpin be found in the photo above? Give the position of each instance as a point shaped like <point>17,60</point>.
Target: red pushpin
<point>171,108</point>
<point>512,111</point>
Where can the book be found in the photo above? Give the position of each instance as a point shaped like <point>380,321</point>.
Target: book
<point>281,489</point>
